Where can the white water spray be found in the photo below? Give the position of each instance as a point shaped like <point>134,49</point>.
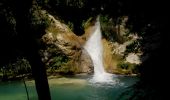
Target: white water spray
<point>95,49</point>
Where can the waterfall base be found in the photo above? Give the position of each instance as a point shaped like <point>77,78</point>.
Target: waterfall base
<point>103,78</point>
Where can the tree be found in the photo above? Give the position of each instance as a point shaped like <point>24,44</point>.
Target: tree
<point>25,42</point>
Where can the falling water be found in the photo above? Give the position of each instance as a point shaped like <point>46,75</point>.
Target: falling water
<point>95,50</point>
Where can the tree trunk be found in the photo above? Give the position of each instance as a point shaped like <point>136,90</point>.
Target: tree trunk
<point>27,44</point>
<point>39,73</point>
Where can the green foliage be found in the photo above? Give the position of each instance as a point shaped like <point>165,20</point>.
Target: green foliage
<point>128,67</point>
<point>71,3</point>
<point>39,18</point>
<point>63,65</point>
<point>68,68</point>
<point>70,25</point>
<point>133,47</point>
<point>104,18</point>
<point>42,2</point>
<point>58,61</point>
<point>123,65</point>
<point>14,69</point>
<point>65,70</point>
<point>87,23</point>
<point>107,26</point>
<point>135,69</point>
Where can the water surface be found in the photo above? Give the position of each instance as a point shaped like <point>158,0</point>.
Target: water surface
<point>75,88</point>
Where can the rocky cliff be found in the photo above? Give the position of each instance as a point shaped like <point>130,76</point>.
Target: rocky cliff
<point>63,51</point>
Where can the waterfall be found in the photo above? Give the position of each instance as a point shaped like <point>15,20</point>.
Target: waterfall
<point>95,49</point>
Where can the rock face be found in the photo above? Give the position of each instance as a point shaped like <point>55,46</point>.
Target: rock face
<point>109,60</point>
<point>61,43</point>
<point>85,60</point>
<point>133,58</point>
<point>64,52</point>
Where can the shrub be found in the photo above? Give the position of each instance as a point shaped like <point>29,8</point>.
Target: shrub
<point>58,61</point>
<point>129,67</point>
<point>123,65</point>
<point>107,26</point>
<point>133,47</point>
